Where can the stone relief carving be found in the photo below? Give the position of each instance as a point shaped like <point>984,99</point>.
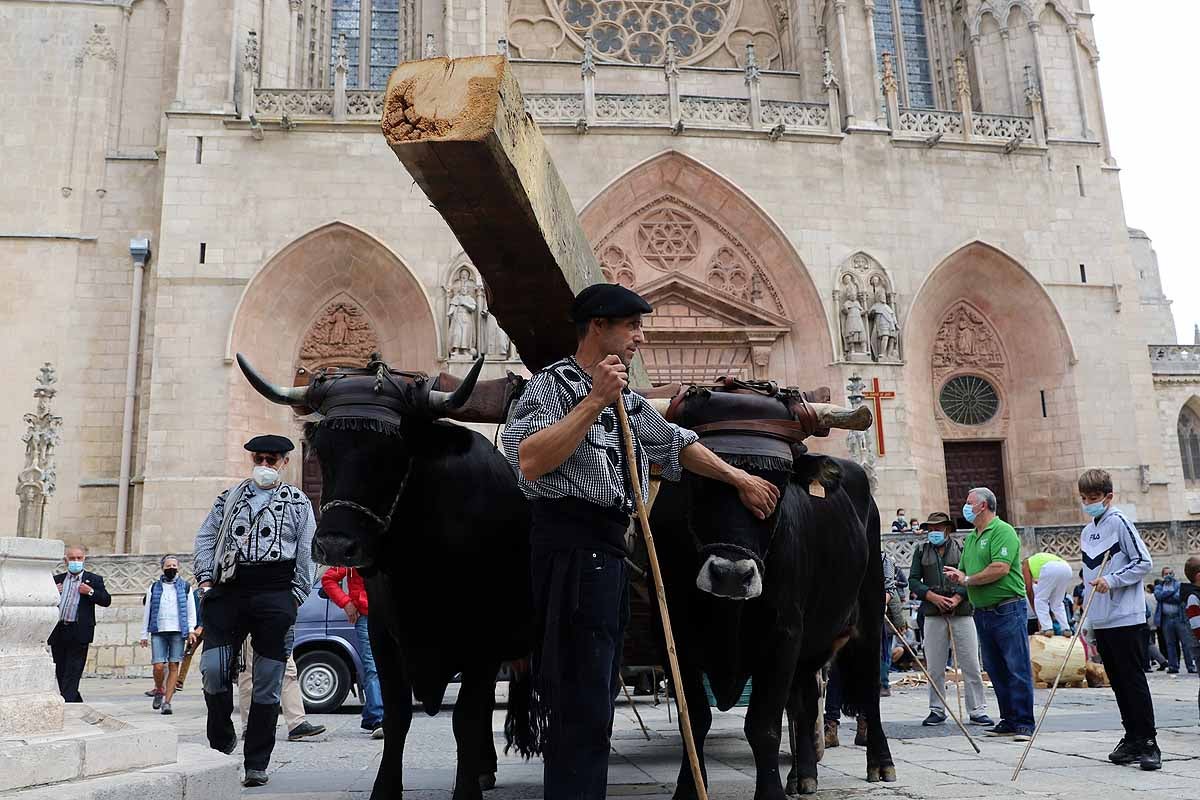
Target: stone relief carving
<point>471,327</point>
<point>37,479</point>
<point>709,32</point>
<point>866,304</point>
<point>668,239</point>
<point>615,266</point>
<point>966,339</point>
<point>98,45</point>
<point>726,273</point>
<point>342,334</point>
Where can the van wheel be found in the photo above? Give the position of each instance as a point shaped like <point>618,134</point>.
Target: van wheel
<point>324,681</point>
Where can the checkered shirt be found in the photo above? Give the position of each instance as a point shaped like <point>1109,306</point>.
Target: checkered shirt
<point>596,471</point>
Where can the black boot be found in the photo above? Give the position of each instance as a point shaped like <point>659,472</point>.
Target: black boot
<point>1126,752</point>
<point>1149,756</point>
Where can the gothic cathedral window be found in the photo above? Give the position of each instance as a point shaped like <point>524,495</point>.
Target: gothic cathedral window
<point>1189,443</point>
<point>372,31</point>
<point>900,30</point>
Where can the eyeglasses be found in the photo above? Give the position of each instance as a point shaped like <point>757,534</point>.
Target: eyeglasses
<point>269,459</point>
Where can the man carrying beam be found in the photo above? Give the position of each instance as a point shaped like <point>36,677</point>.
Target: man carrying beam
<point>565,444</point>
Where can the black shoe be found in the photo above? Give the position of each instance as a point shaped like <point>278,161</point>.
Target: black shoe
<point>885,691</point>
<point>1003,728</point>
<point>1149,756</point>
<point>255,777</point>
<point>1172,670</point>
<point>934,718</point>
<point>229,748</point>
<point>304,730</point>
<point>1126,752</point>
<point>982,719</point>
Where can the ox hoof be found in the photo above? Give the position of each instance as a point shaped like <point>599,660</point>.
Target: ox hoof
<point>487,781</point>
<point>888,774</point>
<point>873,775</point>
<point>808,786</point>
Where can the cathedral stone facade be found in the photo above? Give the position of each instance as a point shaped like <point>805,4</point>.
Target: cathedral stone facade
<point>916,193</point>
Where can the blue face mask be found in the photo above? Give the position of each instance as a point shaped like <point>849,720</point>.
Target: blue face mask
<point>968,513</point>
<point>75,567</point>
<point>937,538</point>
<point>1094,510</point>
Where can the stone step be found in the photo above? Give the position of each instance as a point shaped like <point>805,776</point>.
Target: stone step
<point>199,774</point>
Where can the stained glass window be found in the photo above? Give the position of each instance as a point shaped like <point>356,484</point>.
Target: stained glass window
<point>347,17</point>
<point>900,30</point>
<point>969,400</point>
<point>385,40</point>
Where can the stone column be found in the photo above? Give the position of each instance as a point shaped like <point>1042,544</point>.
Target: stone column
<point>1033,99</point>
<point>839,7</point>
<point>754,85</point>
<point>587,70</point>
<point>671,68</point>
<point>293,24</point>
<point>1035,30</point>
<point>1108,156</point>
<point>1010,79</point>
<point>1085,128</point>
<point>977,63</point>
<point>36,480</point>
<point>869,6</point>
<point>29,700</point>
<point>962,87</point>
<point>891,92</point>
<point>249,74</point>
<point>340,66</point>
<point>832,91</point>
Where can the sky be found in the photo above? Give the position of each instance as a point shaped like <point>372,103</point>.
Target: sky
<point>1149,53</point>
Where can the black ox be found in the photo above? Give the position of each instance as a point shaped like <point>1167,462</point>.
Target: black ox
<point>772,600</point>
<point>431,514</point>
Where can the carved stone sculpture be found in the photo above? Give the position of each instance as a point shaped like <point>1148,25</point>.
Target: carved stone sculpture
<point>966,339</point>
<point>885,324</point>
<point>857,443</point>
<point>495,341</point>
<point>36,480</point>
<point>854,329</point>
<point>462,306</point>
<point>341,335</point>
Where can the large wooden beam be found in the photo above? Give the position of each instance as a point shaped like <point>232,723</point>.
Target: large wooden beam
<point>460,129</point>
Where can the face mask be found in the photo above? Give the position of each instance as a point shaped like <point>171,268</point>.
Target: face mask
<point>170,574</point>
<point>968,513</point>
<point>1094,510</point>
<point>75,567</point>
<point>937,538</point>
<point>265,477</point>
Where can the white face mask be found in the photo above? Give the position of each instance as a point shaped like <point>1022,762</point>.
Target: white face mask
<point>265,477</point>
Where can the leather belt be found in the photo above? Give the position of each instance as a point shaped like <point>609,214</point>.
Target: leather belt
<point>785,429</point>
<point>1001,603</point>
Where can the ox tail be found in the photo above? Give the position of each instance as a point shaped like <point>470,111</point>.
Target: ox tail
<point>526,723</point>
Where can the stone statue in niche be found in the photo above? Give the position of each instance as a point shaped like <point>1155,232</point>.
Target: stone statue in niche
<point>854,329</point>
<point>885,324</point>
<point>495,341</point>
<point>462,306</point>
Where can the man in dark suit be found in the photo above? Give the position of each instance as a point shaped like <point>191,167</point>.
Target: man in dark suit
<point>80,592</point>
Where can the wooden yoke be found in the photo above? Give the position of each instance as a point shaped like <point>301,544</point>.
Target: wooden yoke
<point>460,129</point>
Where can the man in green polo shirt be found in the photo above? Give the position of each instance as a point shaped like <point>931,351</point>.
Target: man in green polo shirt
<point>990,568</point>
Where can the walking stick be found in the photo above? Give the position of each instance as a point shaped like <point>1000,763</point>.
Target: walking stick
<point>625,689</point>
<point>941,695</point>
<point>1061,669</point>
<point>958,687</point>
<point>685,720</point>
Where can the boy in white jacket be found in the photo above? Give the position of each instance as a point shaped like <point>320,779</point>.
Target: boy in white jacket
<point>1118,614</point>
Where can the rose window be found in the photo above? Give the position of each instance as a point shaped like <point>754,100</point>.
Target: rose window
<point>969,400</point>
<point>637,31</point>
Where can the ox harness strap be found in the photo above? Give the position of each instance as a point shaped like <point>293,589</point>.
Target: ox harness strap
<point>385,522</point>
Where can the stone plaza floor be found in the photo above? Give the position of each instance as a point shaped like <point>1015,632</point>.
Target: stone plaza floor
<point>1069,759</point>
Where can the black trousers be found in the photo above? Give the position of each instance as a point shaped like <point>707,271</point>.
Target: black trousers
<point>231,613</point>
<point>1123,651</point>
<point>583,596</point>
<point>69,659</point>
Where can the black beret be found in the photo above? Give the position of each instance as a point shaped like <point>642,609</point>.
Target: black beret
<point>609,300</point>
<point>270,443</point>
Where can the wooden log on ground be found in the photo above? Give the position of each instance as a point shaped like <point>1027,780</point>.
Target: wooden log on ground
<point>1047,655</point>
<point>460,129</point>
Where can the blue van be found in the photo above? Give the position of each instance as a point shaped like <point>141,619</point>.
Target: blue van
<point>326,653</point>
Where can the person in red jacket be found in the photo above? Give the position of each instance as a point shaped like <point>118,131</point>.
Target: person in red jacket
<point>354,604</point>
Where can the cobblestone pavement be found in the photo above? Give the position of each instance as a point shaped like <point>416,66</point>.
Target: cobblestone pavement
<point>1068,761</point>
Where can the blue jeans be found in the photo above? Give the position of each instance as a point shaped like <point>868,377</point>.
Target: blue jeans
<point>1179,637</point>
<point>1004,644</point>
<point>372,713</point>
<point>885,658</point>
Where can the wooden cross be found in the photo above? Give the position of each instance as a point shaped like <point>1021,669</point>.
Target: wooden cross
<point>878,396</point>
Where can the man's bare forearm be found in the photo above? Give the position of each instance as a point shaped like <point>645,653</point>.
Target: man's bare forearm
<point>704,462</point>
<point>547,449</point>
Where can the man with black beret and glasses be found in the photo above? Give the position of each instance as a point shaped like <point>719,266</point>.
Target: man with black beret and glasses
<point>254,563</point>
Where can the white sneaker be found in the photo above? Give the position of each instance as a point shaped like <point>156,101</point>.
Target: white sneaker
<point>377,733</point>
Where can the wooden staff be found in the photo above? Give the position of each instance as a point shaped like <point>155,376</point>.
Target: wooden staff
<point>941,695</point>
<point>1058,677</point>
<point>629,697</point>
<point>685,720</point>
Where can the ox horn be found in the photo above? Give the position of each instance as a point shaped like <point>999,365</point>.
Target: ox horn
<point>446,402</point>
<point>660,404</point>
<point>850,419</point>
<point>284,395</point>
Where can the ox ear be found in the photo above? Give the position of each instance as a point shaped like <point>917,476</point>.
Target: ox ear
<point>284,395</point>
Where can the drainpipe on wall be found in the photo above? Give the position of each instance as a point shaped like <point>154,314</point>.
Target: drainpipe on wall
<point>139,250</point>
